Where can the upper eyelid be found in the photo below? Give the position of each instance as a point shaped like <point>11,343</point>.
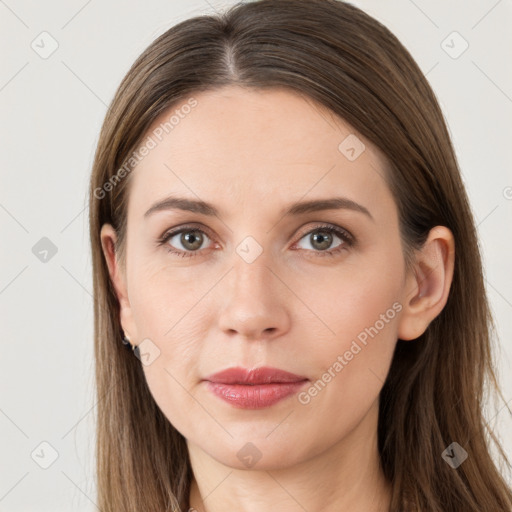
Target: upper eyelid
<point>180,229</point>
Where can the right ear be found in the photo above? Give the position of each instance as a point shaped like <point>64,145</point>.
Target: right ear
<point>108,238</point>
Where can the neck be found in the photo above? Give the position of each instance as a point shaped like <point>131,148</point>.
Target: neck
<point>345,477</point>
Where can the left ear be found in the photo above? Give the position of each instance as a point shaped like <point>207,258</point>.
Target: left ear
<point>428,285</point>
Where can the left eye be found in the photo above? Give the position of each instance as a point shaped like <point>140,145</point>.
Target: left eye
<point>323,238</point>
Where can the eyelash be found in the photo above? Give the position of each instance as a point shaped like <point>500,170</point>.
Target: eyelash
<point>344,235</point>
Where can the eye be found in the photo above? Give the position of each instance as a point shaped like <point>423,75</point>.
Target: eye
<point>321,239</point>
<point>189,237</point>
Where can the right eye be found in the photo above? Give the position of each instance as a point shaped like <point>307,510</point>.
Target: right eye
<point>191,239</point>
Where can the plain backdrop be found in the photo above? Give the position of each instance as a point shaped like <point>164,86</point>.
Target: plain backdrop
<point>52,107</point>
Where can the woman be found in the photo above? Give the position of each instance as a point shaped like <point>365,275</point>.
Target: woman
<point>280,233</point>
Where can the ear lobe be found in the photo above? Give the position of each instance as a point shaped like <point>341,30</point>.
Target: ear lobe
<point>428,285</point>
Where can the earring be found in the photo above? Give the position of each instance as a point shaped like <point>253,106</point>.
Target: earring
<point>126,342</point>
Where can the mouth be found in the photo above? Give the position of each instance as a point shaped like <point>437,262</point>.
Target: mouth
<point>254,389</point>
<point>262,375</point>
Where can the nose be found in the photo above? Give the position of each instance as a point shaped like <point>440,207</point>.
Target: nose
<point>256,304</point>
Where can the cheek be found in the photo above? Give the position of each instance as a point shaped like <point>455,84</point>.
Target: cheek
<point>171,377</point>
<point>161,298</point>
<point>349,373</point>
<point>360,353</point>
<point>357,297</point>
<point>360,308</point>
<point>169,313</point>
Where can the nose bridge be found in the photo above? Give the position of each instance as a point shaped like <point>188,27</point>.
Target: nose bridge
<point>252,278</point>
<point>253,304</point>
<point>251,256</point>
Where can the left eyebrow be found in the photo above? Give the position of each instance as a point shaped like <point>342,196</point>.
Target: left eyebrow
<point>335,203</point>
<point>297,208</point>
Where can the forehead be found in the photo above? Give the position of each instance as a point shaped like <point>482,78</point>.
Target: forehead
<point>250,145</point>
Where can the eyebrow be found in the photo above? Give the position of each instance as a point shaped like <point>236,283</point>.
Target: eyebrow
<point>297,208</point>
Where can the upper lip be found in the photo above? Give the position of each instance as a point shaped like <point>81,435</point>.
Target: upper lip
<point>262,375</point>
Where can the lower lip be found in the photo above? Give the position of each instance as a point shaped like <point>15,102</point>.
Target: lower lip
<point>257,396</point>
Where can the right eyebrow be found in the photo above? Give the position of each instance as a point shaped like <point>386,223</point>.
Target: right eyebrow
<point>182,203</point>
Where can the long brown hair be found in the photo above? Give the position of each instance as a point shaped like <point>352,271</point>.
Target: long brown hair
<point>345,60</point>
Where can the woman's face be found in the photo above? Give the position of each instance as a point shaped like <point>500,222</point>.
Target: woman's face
<point>255,286</point>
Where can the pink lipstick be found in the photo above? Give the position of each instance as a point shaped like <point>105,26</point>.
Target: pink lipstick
<point>254,389</point>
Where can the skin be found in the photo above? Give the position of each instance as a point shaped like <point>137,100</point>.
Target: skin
<point>251,153</point>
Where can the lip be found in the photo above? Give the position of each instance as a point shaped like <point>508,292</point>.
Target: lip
<point>256,388</point>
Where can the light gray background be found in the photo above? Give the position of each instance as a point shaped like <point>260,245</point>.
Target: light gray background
<point>52,110</point>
